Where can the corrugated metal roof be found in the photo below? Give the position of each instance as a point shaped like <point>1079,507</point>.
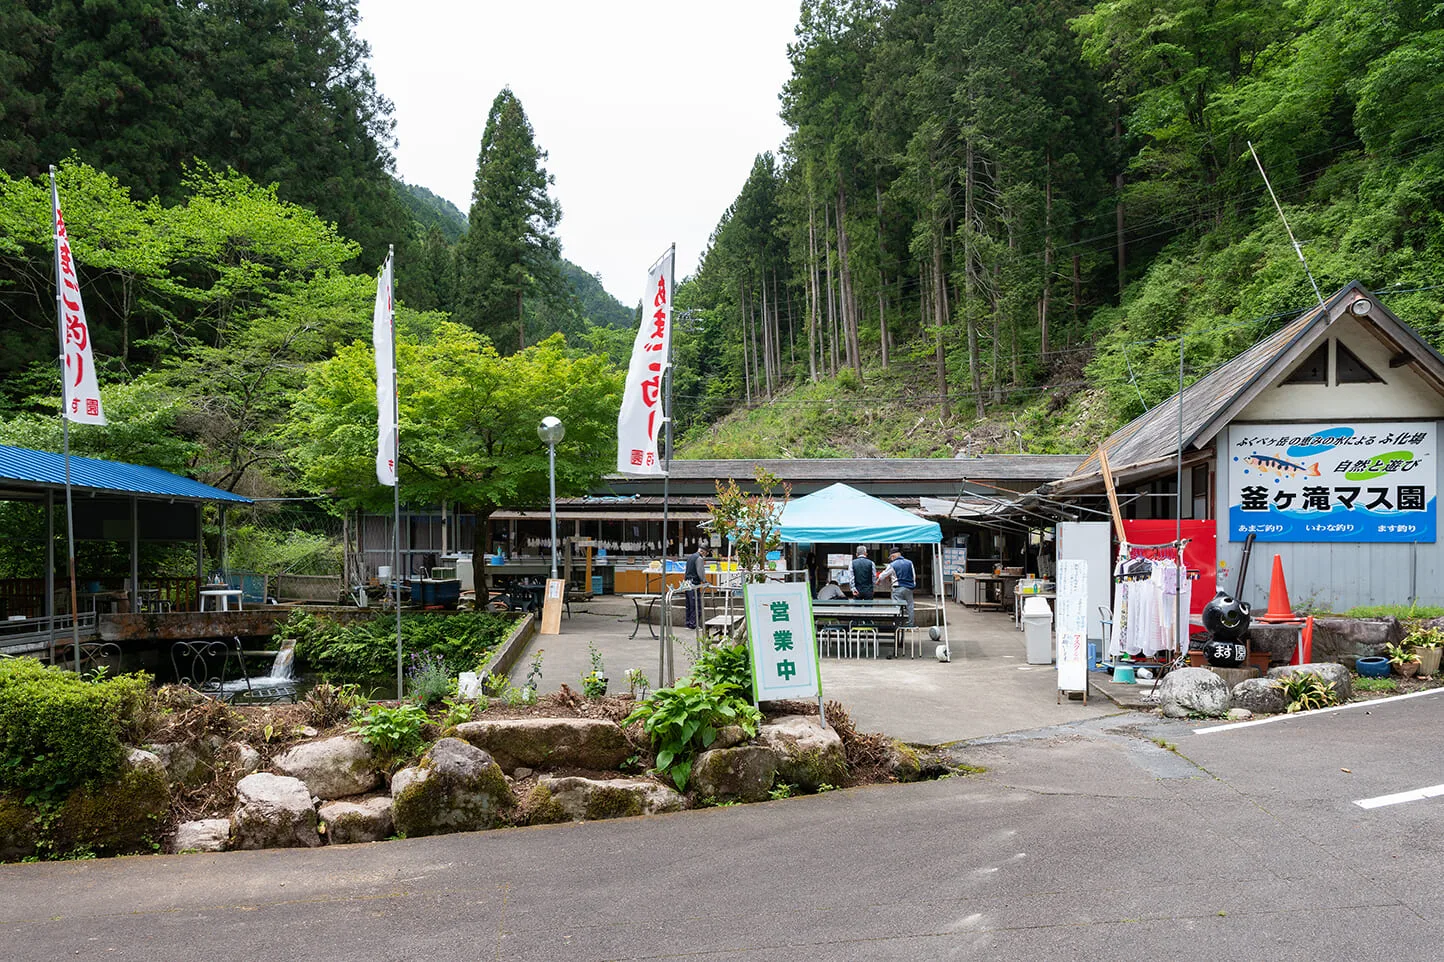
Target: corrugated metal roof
<point>38,470</point>
<point>1005,467</point>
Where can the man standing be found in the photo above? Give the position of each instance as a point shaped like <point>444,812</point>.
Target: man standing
<point>694,573</point>
<point>904,580</point>
<point>864,574</point>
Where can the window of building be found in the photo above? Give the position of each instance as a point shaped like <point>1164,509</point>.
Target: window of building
<point>1348,369</point>
<point>1314,369</point>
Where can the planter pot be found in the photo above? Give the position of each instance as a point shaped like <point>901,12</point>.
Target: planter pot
<point>1407,669</point>
<point>1375,667</point>
<point>1428,660</point>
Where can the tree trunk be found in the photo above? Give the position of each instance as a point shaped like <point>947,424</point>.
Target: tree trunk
<point>1047,262</point>
<point>881,282</point>
<point>766,342</point>
<point>520,322</point>
<point>831,305</point>
<point>849,301</point>
<point>812,306</point>
<point>970,282</point>
<point>746,335</point>
<point>940,318</point>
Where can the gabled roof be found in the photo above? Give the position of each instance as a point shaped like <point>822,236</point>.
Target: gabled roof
<point>1214,400</point>
<point>28,472</point>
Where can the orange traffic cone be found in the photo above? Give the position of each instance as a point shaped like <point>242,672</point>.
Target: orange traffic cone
<point>1279,607</point>
<point>1307,640</point>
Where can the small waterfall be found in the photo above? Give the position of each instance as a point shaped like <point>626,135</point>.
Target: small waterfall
<point>284,667</point>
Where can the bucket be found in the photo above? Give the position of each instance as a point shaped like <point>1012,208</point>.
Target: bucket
<point>1123,675</point>
<point>596,584</point>
<point>1372,667</point>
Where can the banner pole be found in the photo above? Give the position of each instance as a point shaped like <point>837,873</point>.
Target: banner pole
<point>396,480</point>
<point>65,434</point>
<point>670,648</point>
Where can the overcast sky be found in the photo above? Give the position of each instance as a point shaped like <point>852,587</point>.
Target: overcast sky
<point>651,112</point>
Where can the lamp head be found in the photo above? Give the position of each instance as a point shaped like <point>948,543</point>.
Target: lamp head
<point>551,430</point>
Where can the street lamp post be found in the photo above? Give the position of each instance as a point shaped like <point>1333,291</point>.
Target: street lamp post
<point>551,430</point>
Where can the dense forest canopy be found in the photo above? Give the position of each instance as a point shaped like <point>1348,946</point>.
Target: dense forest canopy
<point>1002,216</point>
<point>989,227</point>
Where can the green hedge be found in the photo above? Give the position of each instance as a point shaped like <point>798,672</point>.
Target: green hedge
<point>351,652</point>
<point>59,731</point>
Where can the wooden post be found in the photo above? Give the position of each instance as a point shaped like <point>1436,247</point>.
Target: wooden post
<point>1112,495</point>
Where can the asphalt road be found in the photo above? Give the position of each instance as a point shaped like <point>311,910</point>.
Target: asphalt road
<point>1083,842</point>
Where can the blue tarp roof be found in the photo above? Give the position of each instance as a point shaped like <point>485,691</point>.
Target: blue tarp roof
<point>841,513</point>
<point>44,469</point>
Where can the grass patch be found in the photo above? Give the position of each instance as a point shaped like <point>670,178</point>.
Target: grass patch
<point>1375,684</point>
<point>1402,612</point>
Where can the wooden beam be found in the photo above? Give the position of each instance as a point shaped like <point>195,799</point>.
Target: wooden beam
<point>1112,495</point>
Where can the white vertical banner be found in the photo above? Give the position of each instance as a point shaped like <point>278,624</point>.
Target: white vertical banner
<point>641,418</point>
<point>383,338</point>
<point>1072,627</point>
<point>784,650</point>
<point>79,392</point>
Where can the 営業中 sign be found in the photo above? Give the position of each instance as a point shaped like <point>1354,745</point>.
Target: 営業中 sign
<point>784,652</point>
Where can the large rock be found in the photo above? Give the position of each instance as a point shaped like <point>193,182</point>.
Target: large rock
<point>1260,696</point>
<point>741,774</point>
<point>456,788</point>
<point>903,762</point>
<point>186,763</point>
<point>809,754</point>
<point>367,820</point>
<point>204,835</point>
<point>1341,639</point>
<point>243,757</point>
<point>549,743</point>
<point>19,832</point>
<point>1192,691</point>
<point>273,811</point>
<point>589,800</point>
<point>119,817</point>
<point>1338,677</point>
<point>333,767</point>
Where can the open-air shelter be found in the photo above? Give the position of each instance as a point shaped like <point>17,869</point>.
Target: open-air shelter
<point>842,514</point>
<point>112,502</point>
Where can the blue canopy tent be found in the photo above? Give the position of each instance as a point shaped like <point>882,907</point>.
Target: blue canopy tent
<point>842,514</point>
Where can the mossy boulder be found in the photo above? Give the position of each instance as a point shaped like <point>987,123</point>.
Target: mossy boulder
<point>19,832</point>
<point>809,754</point>
<point>903,762</point>
<point>586,799</point>
<point>332,767</point>
<point>457,787</point>
<point>367,820</point>
<point>273,811</point>
<point>539,808</point>
<point>1336,676</point>
<point>188,764</point>
<point>741,774</point>
<point>202,835</point>
<point>549,743</point>
<point>118,817</point>
<point>1258,695</point>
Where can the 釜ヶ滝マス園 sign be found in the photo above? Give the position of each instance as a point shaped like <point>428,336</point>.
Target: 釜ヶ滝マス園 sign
<point>780,632</point>
<point>1351,481</point>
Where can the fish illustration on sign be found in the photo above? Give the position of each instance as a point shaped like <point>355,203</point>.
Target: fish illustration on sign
<point>1285,469</point>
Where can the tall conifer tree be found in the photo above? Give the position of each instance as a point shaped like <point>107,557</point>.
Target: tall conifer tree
<point>510,250</point>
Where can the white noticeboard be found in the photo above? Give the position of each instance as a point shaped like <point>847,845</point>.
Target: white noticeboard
<point>1072,627</point>
<point>780,634</point>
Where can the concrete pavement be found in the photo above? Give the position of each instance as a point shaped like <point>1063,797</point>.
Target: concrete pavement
<point>987,689</point>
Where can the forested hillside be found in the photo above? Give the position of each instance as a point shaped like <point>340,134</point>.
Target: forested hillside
<point>992,221</point>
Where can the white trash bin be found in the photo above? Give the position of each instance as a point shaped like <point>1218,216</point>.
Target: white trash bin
<point>1038,631</point>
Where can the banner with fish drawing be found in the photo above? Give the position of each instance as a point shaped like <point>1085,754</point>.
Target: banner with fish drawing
<point>1349,481</point>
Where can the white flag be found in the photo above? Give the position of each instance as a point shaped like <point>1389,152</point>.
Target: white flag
<point>641,418</point>
<point>79,392</point>
<point>383,337</point>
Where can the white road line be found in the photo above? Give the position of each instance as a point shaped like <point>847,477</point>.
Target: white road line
<point>1317,711</point>
<point>1416,795</point>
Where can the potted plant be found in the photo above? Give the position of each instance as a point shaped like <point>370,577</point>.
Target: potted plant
<point>1402,659</point>
<point>1428,645</point>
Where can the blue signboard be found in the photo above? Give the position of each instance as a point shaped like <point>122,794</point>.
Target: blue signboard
<point>1370,481</point>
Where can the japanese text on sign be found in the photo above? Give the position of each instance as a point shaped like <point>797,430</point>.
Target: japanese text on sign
<point>784,649</point>
<point>641,417</point>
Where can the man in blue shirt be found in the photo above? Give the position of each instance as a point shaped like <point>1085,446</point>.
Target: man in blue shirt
<point>904,580</point>
<point>864,574</point>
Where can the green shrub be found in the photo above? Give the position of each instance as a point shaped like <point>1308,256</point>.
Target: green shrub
<point>1405,612</point>
<point>725,664</point>
<point>58,731</point>
<point>683,720</point>
<point>427,680</point>
<point>394,732</point>
<point>368,649</point>
<point>1305,691</point>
